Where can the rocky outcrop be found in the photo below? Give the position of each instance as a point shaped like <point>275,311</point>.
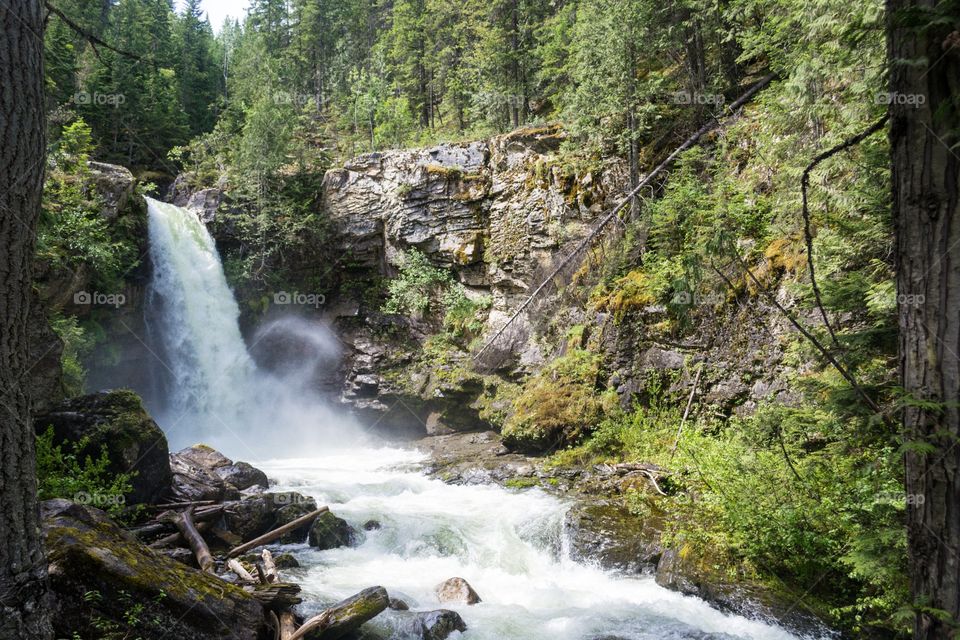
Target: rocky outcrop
<point>102,577</point>
<point>115,421</point>
<point>204,202</point>
<point>495,212</point>
<point>203,473</point>
<point>114,184</point>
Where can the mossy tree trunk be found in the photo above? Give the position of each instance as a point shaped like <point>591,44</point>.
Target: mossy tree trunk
<point>925,96</point>
<point>23,572</point>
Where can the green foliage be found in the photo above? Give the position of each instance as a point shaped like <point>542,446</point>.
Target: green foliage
<point>77,343</point>
<point>72,234</point>
<point>557,406</point>
<point>424,291</point>
<point>63,473</point>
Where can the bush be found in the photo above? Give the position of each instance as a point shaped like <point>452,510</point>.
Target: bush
<point>557,406</point>
<point>61,473</point>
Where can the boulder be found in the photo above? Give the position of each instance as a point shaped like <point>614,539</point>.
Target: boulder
<point>329,532</point>
<point>243,475</point>
<point>251,517</point>
<point>117,421</point>
<point>398,605</point>
<point>372,525</point>
<point>290,506</point>
<point>429,625</point>
<point>609,535</point>
<point>456,590</point>
<point>203,473</point>
<point>191,482</point>
<point>101,575</point>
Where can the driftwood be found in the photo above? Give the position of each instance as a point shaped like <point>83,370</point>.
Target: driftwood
<point>348,615</point>
<point>269,567</point>
<point>188,529</point>
<point>238,569</point>
<point>164,522</point>
<point>177,539</point>
<point>288,625</point>
<point>275,623</point>
<point>270,536</point>
<point>181,505</point>
<point>277,595</point>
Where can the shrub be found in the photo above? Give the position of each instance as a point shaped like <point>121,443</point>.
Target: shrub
<point>61,473</point>
<point>557,406</point>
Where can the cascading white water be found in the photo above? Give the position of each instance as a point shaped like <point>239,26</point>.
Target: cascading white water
<point>508,544</point>
<point>215,393</point>
<point>192,310</point>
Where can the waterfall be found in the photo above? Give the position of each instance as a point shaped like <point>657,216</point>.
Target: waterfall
<point>192,311</point>
<point>212,389</point>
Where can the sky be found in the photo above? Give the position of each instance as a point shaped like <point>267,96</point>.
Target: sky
<point>217,10</point>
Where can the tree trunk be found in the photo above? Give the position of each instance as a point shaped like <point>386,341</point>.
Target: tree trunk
<point>925,177</point>
<point>24,599</point>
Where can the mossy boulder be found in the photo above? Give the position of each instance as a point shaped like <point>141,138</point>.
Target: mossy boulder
<point>117,421</point>
<point>329,532</point>
<point>105,581</point>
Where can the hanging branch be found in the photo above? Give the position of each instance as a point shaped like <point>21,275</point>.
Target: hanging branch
<point>92,39</point>
<point>814,341</point>
<point>688,143</point>
<point>807,233</point>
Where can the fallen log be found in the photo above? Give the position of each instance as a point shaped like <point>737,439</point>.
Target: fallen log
<point>177,539</point>
<point>275,624</point>
<point>278,595</point>
<point>238,569</point>
<point>288,625</point>
<point>269,566</point>
<point>181,505</point>
<point>188,529</point>
<point>270,536</point>
<point>346,616</point>
<point>165,521</point>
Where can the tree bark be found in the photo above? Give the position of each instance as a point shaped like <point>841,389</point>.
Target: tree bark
<point>24,597</point>
<point>925,177</point>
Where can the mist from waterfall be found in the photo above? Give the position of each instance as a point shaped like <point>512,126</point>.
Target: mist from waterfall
<point>209,387</point>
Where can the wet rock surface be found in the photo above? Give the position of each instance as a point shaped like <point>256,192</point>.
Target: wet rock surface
<point>203,473</point>
<point>329,532</point>
<point>456,590</point>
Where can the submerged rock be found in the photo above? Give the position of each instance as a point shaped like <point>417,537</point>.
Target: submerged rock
<point>100,574</point>
<point>398,605</point>
<point>329,532</point>
<point>431,625</point>
<point>611,536</point>
<point>456,590</point>
<point>117,421</point>
<point>372,525</point>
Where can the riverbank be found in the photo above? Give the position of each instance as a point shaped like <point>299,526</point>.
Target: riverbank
<point>602,529</point>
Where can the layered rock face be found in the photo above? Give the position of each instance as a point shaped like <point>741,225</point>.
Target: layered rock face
<point>494,211</point>
<point>497,213</point>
